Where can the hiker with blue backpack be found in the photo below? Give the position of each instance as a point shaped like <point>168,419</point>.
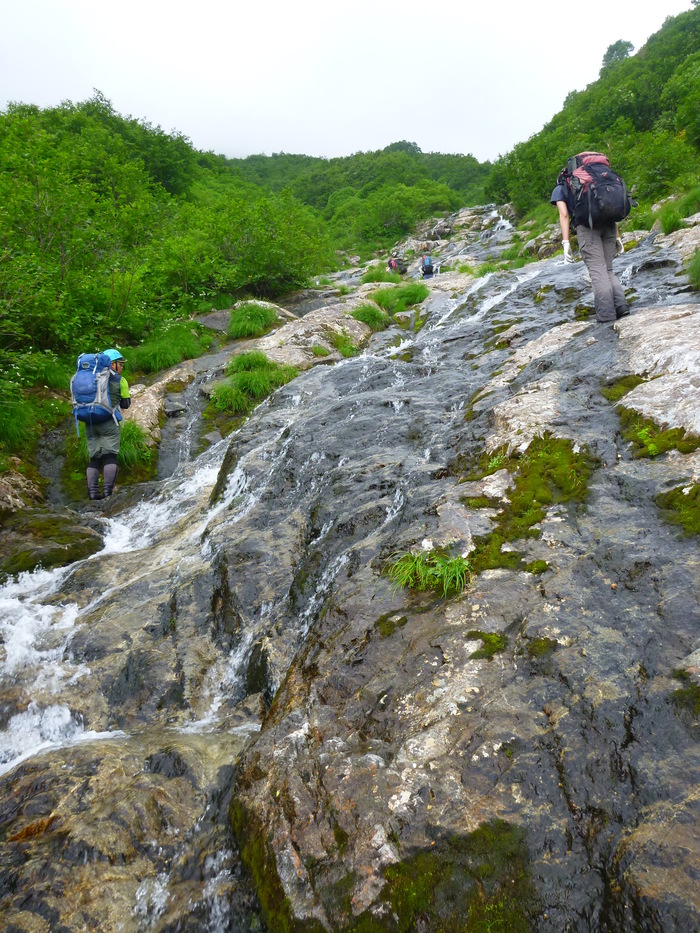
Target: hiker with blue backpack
<point>99,393</point>
<point>593,196</point>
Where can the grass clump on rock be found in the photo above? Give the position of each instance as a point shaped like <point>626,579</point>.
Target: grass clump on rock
<point>694,270</point>
<point>432,570</point>
<point>179,342</point>
<point>372,316</point>
<point>342,342</point>
<point>379,274</point>
<point>252,378</point>
<point>394,300</point>
<point>250,319</point>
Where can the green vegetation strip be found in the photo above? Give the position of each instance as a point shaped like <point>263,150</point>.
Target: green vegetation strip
<point>687,697</point>
<point>395,300</point>
<point>616,390</point>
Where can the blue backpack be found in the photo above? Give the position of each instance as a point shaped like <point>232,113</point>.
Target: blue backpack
<point>89,389</point>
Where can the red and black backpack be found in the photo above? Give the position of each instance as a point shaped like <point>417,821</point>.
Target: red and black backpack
<point>599,195</point>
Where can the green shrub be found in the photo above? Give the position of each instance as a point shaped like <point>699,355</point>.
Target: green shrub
<point>250,320</point>
<point>694,270</point>
<point>178,343</point>
<point>371,316</point>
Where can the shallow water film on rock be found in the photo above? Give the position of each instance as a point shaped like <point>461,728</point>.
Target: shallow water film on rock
<point>237,716</point>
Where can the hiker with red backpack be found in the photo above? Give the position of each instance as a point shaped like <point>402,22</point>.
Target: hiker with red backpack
<point>593,196</point>
<point>99,393</point>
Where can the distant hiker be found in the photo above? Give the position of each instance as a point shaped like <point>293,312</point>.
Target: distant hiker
<point>426,265</point>
<point>396,265</point>
<point>100,392</point>
<point>591,194</point>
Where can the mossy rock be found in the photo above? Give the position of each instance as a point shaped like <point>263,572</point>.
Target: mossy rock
<point>43,538</point>
<point>687,698</point>
<point>681,506</point>
<point>470,883</point>
<point>648,439</point>
<point>492,643</point>
<point>387,624</point>
<point>541,647</point>
<point>614,391</point>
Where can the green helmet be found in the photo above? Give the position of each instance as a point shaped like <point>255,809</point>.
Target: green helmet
<point>114,355</point>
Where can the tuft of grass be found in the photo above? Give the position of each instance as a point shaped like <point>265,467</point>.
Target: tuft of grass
<point>690,203</point>
<point>252,377</point>
<point>318,350</point>
<point>379,274</point>
<point>694,270</point>
<point>670,218</point>
<point>250,320</point>
<point>394,300</point>
<point>133,448</point>
<point>180,342</point>
<point>433,570</point>
<point>371,316</point>
<point>485,268</point>
<point>343,344</point>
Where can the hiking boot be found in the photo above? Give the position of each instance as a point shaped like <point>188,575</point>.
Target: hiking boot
<point>96,497</point>
<point>622,312</point>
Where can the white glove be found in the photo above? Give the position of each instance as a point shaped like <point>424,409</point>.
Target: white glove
<point>619,247</point>
<point>568,257</point>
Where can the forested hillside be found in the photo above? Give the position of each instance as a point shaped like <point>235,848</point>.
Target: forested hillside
<point>114,232</point>
<point>643,111</point>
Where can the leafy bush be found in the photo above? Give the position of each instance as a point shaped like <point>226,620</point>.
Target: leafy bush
<point>371,316</point>
<point>250,320</point>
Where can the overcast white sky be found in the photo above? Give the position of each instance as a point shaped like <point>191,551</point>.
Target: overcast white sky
<point>319,77</point>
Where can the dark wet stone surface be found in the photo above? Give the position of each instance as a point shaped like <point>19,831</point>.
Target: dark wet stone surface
<point>383,735</point>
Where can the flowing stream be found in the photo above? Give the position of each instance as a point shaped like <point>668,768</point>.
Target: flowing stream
<point>131,682</point>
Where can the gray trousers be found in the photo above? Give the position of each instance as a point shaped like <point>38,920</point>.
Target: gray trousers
<point>598,251</point>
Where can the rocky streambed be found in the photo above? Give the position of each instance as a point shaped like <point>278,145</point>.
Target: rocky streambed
<point>231,718</point>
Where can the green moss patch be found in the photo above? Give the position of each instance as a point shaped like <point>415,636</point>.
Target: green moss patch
<point>387,624</point>
<point>687,697</point>
<point>548,473</point>
<point>681,506</point>
<point>649,440</point>
<point>492,643</point>
<point>614,391</point>
<point>541,647</point>
<point>469,884</point>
